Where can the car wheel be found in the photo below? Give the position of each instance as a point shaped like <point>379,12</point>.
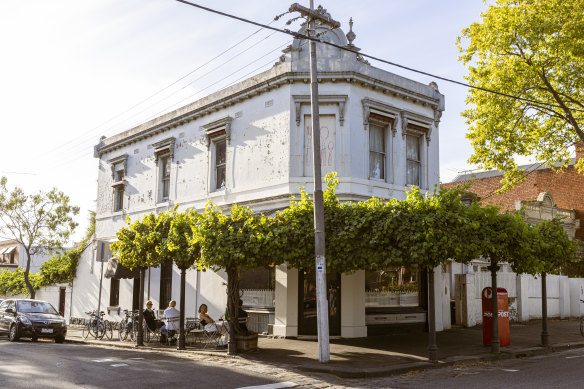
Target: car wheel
<point>14,335</point>
<point>59,339</point>
<point>35,338</point>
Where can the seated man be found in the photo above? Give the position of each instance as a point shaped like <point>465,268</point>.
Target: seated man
<point>172,319</point>
<point>151,321</point>
<point>242,317</point>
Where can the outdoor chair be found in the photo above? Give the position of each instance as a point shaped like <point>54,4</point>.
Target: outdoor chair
<point>193,330</point>
<point>212,337</point>
<point>150,334</point>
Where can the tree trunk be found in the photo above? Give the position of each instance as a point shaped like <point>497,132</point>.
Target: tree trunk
<point>31,290</point>
<point>495,341</point>
<point>232,304</point>
<point>545,337</point>
<point>140,336</point>
<point>181,335</point>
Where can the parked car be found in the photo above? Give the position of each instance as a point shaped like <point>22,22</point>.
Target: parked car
<point>31,319</point>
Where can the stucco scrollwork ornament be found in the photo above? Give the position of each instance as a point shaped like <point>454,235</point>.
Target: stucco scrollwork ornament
<point>404,124</point>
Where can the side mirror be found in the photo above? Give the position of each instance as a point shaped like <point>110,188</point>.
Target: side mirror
<point>9,310</point>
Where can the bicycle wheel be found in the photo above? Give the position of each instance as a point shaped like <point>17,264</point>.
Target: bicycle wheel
<point>108,330</point>
<point>86,330</point>
<point>99,329</point>
<point>132,330</point>
<point>122,331</point>
<point>582,326</point>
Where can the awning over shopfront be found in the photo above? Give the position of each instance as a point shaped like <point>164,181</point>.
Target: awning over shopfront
<point>117,271</point>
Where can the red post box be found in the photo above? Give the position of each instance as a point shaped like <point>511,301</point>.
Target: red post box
<point>503,316</point>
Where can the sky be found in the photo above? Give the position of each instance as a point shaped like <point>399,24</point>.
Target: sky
<point>72,71</point>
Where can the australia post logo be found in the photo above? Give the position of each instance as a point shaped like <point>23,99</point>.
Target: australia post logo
<point>501,314</point>
<point>488,293</point>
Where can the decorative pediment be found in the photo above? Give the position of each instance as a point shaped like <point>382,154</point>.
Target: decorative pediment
<point>415,123</point>
<point>118,163</point>
<point>376,111</point>
<point>341,100</point>
<point>217,128</point>
<point>163,147</point>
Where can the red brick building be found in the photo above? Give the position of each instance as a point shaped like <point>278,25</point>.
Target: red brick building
<point>566,187</point>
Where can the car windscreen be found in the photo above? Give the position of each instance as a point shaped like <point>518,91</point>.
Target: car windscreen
<point>35,307</point>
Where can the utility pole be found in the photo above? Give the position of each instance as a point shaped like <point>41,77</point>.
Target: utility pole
<point>322,311</point>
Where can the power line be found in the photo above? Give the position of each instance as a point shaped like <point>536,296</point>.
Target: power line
<point>83,153</point>
<point>83,136</point>
<point>302,36</point>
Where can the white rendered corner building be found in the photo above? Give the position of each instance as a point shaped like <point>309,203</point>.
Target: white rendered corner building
<point>250,144</point>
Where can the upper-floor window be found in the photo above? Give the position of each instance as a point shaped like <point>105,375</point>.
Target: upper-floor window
<point>413,160</point>
<point>220,151</point>
<point>119,190</point>
<point>119,166</point>
<point>376,151</point>
<point>163,156</point>
<point>217,137</point>
<point>164,164</point>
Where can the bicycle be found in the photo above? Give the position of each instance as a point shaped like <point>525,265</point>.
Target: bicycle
<point>95,325</point>
<point>127,327</point>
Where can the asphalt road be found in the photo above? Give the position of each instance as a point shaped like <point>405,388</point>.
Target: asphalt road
<point>557,370</point>
<point>48,365</point>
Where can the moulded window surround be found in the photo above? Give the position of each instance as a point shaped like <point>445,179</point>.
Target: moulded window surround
<point>217,136</point>
<point>119,167</point>
<point>379,120</point>
<point>416,132</point>
<point>163,157</point>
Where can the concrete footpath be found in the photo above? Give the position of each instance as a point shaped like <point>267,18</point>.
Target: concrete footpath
<point>403,350</point>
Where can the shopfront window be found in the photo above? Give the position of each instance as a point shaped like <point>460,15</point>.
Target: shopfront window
<point>394,286</point>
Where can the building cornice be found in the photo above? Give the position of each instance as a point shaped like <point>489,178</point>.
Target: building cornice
<point>240,93</point>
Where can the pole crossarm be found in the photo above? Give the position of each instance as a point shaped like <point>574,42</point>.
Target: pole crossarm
<point>318,14</point>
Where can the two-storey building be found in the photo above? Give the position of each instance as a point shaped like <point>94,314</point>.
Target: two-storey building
<point>250,144</point>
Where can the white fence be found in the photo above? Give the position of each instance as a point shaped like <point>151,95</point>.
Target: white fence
<point>524,292</point>
<point>258,298</point>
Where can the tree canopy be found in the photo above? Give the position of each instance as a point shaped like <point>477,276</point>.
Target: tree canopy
<point>533,49</point>
<point>40,222</point>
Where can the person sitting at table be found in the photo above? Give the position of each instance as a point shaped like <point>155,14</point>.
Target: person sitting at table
<point>209,324</point>
<point>172,320</point>
<point>151,321</point>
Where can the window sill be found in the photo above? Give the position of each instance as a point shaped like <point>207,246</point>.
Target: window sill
<point>118,213</point>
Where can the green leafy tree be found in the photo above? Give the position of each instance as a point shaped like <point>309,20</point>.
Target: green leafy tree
<point>552,249</point>
<point>39,222</point>
<point>236,242</point>
<point>143,244</point>
<point>185,252</point>
<point>533,49</point>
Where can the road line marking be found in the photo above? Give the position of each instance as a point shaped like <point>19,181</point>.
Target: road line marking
<point>102,360</point>
<point>119,364</point>
<point>510,370</point>
<point>576,356</point>
<point>277,385</point>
